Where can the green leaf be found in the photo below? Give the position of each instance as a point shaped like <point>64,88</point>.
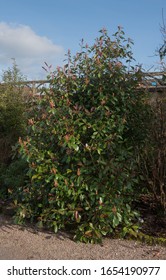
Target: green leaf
<point>55,227</point>
<point>40,205</point>
<point>39,224</point>
<point>119,216</point>
<point>115,221</point>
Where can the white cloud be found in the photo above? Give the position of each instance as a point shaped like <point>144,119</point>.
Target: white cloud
<point>29,49</point>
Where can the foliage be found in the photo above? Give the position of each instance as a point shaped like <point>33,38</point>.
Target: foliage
<point>153,156</point>
<point>12,178</point>
<point>82,140</point>
<point>13,75</point>
<point>12,108</point>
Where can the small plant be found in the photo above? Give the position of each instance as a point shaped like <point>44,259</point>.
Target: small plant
<point>81,144</point>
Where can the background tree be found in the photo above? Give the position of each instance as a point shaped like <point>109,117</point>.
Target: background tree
<point>12,126</point>
<point>12,108</point>
<point>162,49</point>
<point>13,75</point>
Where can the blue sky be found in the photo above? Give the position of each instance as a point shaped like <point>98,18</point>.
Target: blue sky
<point>34,31</point>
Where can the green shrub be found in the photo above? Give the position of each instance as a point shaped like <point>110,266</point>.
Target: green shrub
<point>82,141</point>
<point>12,179</point>
<point>12,126</point>
<point>12,109</point>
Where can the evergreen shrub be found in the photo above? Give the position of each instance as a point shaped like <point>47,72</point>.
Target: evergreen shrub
<point>12,112</point>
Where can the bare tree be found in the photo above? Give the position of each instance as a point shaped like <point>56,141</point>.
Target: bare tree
<point>162,49</point>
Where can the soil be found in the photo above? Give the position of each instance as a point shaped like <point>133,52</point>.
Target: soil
<point>29,243</point>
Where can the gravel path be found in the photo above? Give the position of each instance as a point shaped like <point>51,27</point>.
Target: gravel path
<point>26,243</point>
